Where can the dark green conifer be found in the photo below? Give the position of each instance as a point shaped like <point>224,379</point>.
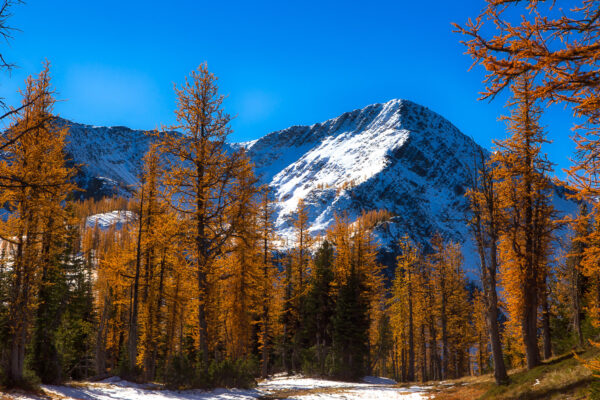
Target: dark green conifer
<point>318,309</point>
<point>351,329</point>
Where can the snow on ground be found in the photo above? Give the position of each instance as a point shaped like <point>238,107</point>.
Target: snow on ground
<point>292,387</point>
<point>19,396</point>
<point>124,390</point>
<point>298,382</point>
<point>319,389</point>
<point>367,394</point>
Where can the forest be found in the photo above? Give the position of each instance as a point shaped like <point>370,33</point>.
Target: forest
<point>196,290</point>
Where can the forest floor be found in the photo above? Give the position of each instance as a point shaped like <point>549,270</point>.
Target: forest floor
<point>278,387</point>
<point>561,377</point>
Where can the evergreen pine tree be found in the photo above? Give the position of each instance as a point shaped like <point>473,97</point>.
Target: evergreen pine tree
<point>351,329</point>
<point>52,297</point>
<point>76,333</point>
<point>319,306</point>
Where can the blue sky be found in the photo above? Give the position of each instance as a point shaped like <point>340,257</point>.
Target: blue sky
<point>281,63</point>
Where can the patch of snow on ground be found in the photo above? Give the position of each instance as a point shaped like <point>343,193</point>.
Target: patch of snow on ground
<point>124,390</point>
<point>366,394</point>
<point>371,388</point>
<point>297,382</point>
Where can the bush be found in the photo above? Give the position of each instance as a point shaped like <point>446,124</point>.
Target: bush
<point>30,382</point>
<point>124,371</point>
<point>240,373</point>
<point>182,373</point>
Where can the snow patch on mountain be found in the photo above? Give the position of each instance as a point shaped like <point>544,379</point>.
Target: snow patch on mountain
<point>117,218</point>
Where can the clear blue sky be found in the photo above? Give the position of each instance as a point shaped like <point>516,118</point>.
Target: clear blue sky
<point>282,63</point>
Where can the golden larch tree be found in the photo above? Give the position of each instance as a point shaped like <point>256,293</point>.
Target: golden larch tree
<point>35,182</point>
<point>201,172</point>
<point>524,191</point>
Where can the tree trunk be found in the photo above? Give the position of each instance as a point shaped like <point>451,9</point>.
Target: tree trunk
<point>100,338</point>
<point>546,327</point>
<point>265,316</point>
<point>529,328</point>
<point>444,319</point>
<point>202,262</point>
<point>485,231</point>
<point>500,374</point>
<point>481,344</point>
<point>16,318</point>
<point>411,340</point>
<point>576,298</point>
<point>133,323</point>
<point>436,366</point>
<point>286,323</point>
<point>424,376</point>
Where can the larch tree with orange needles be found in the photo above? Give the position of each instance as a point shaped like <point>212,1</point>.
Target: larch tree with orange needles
<point>485,228</point>
<point>201,170</point>
<point>480,326</point>
<point>240,279</point>
<point>159,231</point>
<point>38,183</point>
<point>589,268</point>
<point>558,49</point>
<point>524,192</point>
<point>451,307</point>
<point>300,262</point>
<point>570,284</point>
<point>304,241</point>
<point>404,291</point>
<point>575,276</point>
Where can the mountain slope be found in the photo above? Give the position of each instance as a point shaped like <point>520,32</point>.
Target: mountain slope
<point>397,156</point>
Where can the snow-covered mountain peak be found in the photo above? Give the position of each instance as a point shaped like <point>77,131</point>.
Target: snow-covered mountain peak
<point>330,164</point>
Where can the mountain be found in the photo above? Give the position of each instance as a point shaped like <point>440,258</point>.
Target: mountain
<point>107,158</point>
<point>396,156</point>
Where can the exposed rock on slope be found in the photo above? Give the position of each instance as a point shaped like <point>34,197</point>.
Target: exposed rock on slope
<point>397,156</point>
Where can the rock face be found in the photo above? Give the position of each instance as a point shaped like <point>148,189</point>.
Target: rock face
<point>107,158</point>
<point>398,156</point>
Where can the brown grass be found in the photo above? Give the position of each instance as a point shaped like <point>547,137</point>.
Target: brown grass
<point>561,377</point>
